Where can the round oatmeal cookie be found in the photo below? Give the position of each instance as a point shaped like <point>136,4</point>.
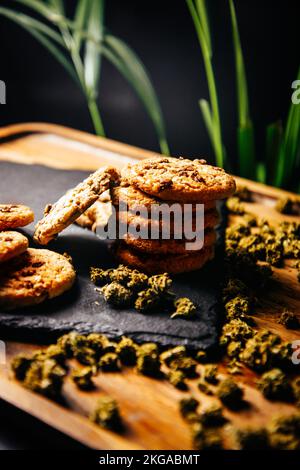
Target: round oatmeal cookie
<point>74,203</point>
<point>135,199</point>
<point>173,264</point>
<point>33,277</point>
<point>14,216</point>
<point>95,216</point>
<point>167,247</point>
<point>11,244</point>
<point>179,179</point>
<point>211,219</point>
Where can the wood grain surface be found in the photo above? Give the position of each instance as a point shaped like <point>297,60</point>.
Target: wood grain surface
<point>149,407</point>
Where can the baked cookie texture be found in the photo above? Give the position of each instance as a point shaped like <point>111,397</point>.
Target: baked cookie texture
<point>74,203</point>
<point>173,264</point>
<point>14,216</point>
<point>12,244</point>
<point>33,277</point>
<point>179,179</point>
<point>136,199</point>
<point>95,216</point>
<point>167,247</point>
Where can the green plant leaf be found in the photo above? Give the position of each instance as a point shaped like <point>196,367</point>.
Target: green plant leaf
<point>202,14</point>
<point>273,142</point>
<point>92,58</point>
<point>80,18</point>
<point>207,117</point>
<point>129,65</point>
<point>199,18</point>
<point>261,172</point>
<point>40,32</point>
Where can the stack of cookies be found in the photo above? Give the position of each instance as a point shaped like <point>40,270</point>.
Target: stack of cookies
<point>28,276</point>
<point>165,180</point>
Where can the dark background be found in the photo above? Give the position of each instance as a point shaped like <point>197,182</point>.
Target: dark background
<point>162,33</point>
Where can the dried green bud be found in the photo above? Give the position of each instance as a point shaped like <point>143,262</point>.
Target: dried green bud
<point>147,300</point>
<point>210,373</point>
<point>230,393</point>
<point>160,282</point>
<point>188,405</point>
<point>213,415</point>
<point>234,349</point>
<point>100,276</point>
<point>174,353</point>
<point>20,365</point>
<point>284,205</point>
<point>235,206</point>
<point>107,415</point>
<point>289,320</point>
<point>204,388</point>
<point>83,378</point>
<point>127,351</point>
<point>177,379</point>
<point>148,364</point>
<point>148,348</point>
<point>274,385</point>
<point>45,377</point>
<point>187,365</point>
<point>205,439</point>
<point>253,439</point>
<point>184,308</point>
<point>235,288</point>
<point>286,424</point>
<point>109,362</point>
<point>117,295</point>
<point>237,307</point>
<point>236,330</point>
<point>234,367</point>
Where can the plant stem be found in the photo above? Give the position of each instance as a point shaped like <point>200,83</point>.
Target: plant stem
<point>96,118</point>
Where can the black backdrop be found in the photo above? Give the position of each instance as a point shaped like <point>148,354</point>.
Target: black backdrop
<point>162,33</point>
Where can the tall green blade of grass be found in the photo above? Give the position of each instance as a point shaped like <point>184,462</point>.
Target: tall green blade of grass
<point>130,66</point>
<point>42,34</point>
<point>245,133</point>
<point>92,60</point>
<point>273,142</point>
<point>199,17</point>
<point>80,19</point>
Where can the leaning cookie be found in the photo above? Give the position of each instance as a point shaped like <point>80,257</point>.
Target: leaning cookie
<point>33,277</point>
<point>14,216</point>
<point>168,247</point>
<point>135,200</point>
<point>173,264</point>
<point>11,244</point>
<point>74,203</point>
<point>179,179</point>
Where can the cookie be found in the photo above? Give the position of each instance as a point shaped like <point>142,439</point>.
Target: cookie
<point>74,203</point>
<point>11,244</point>
<point>179,179</point>
<point>135,199</point>
<point>173,264</point>
<point>14,216</point>
<point>95,216</point>
<point>167,246</point>
<point>33,277</point>
<point>211,219</point>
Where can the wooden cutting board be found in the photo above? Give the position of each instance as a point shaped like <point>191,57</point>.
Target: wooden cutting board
<point>149,407</point>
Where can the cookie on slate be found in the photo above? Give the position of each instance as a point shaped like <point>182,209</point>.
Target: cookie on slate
<point>33,277</point>
<point>211,219</point>
<point>173,264</point>
<point>14,216</point>
<point>179,179</point>
<point>11,244</point>
<point>167,246</point>
<point>74,203</point>
<point>136,199</point>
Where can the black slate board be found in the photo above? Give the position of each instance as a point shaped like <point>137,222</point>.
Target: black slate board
<point>82,308</point>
